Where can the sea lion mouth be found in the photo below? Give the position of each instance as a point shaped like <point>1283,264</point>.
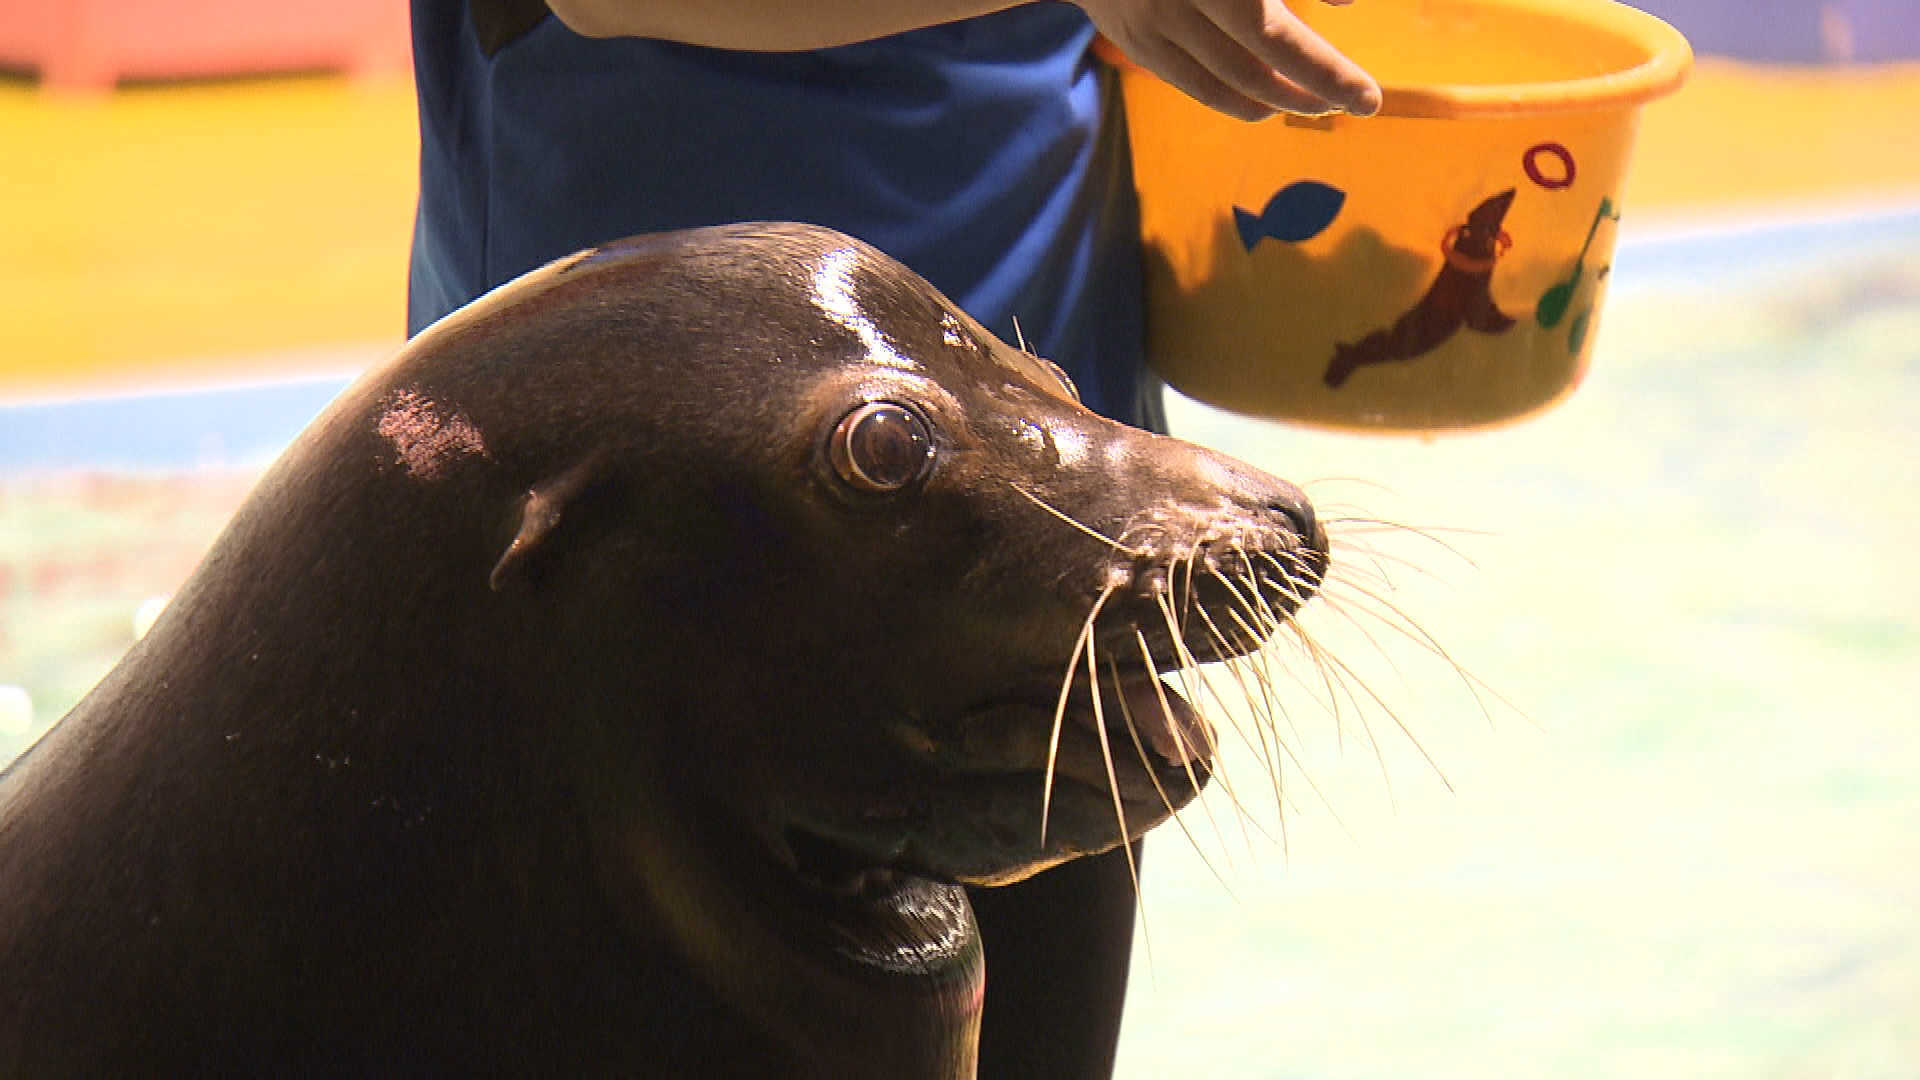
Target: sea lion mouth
<point>883,919</point>
<point>1139,733</point>
<point>838,870</point>
<point>1014,786</point>
<point>1138,728</point>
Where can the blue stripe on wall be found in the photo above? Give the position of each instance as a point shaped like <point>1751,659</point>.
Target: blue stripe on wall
<point>248,425</point>
<point>232,425</point>
<point>1796,31</point>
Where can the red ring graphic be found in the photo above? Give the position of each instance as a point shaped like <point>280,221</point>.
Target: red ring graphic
<point>1530,162</point>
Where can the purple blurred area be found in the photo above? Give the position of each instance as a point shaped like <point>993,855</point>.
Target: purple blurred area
<point>1796,31</point>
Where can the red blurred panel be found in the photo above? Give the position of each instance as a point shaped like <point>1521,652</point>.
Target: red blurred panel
<point>93,44</point>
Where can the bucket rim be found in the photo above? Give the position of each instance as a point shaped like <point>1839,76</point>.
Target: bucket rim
<point>1668,60</point>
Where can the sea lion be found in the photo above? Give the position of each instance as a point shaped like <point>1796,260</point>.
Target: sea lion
<point>1459,296</point>
<point>626,679</point>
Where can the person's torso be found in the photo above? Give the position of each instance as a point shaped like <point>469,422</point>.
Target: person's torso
<point>980,153</point>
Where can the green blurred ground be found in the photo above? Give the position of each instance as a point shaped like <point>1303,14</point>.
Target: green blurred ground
<point>1698,854</point>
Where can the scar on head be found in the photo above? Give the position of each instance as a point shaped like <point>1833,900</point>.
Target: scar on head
<point>425,436</point>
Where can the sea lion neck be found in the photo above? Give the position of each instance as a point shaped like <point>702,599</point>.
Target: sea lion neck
<point>690,878</point>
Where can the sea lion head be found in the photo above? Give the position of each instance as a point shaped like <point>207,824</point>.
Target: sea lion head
<point>884,554</point>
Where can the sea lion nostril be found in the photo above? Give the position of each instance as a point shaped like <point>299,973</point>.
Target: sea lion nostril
<point>1300,518</point>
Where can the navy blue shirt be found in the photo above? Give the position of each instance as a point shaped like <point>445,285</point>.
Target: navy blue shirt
<point>989,155</point>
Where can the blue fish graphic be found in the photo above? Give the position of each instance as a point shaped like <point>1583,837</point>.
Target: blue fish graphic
<point>1300,211</point>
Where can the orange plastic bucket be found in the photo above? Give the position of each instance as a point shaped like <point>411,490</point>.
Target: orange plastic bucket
<point>1440,265</point>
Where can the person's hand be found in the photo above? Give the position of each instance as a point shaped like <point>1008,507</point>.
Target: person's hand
<point>1246,58</point>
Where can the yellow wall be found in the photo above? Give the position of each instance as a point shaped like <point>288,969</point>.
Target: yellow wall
<point>211,228</point>
<point>196,226</point>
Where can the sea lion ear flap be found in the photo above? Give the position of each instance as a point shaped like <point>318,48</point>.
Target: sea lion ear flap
<point>540,514</point>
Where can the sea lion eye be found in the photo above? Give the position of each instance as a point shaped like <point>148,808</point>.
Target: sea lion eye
<point>881,447</point>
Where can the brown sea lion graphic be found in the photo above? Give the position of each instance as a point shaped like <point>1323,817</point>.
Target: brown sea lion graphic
<point>1457,297</point>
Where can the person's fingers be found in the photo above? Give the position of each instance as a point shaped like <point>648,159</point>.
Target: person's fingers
<point>1245,58</point>
<point>1176,66</point>
<point>1246,74</point>
<point>1278,38</point>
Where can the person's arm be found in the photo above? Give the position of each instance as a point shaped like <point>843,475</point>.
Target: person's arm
<point>1246,58</point>
<point>764,25</point>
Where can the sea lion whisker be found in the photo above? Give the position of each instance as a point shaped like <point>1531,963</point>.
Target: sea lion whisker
<point>1397,619</point>
<point>1331,599</point>
<point>1264,623</point>
<point>1296,568</point>
<point>1360,481</point>
<point>1349,610</point>
<point>1291,581</point>
<point>1250,601</point>
<point>1113,786</point>
<point>1267,659</point>
<point>1356,551</point>
<point>1260,660</point>
<point>1266,577</point>
<point>1070,520</point>
<point>1344,509</point>
<point>1238,552</point>
<point>1316,658</point>
<point>1083,642</point>
<point>1232,647</point>
<point>1294,564</point>
<point>1190,671</point>
<point>1351,522</point>
<point>1281,796</point>
<point>1255,601</point>
<point>1357,526</point>
<point>1201,679</point>
<point>1184,660</point>
<point>1364,562</point>
<point>1245,592</point>
<point>1139,533</point>
<point>1166,712</point>
<point>1188,563</point>
<point>1392,714</point>
<point>1192,679</point>
<point>1324,662</point>
<point>1126,714</point>
<point>1263,674</point>
<point>1263,724</point>
<point>1335,689</point>
<point>1186,752</point>
<point>1286,749</point>
<point>1133,734</point>
<point>1228,645</point>
<point>1376,603</point>
<point>1348,520</point>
